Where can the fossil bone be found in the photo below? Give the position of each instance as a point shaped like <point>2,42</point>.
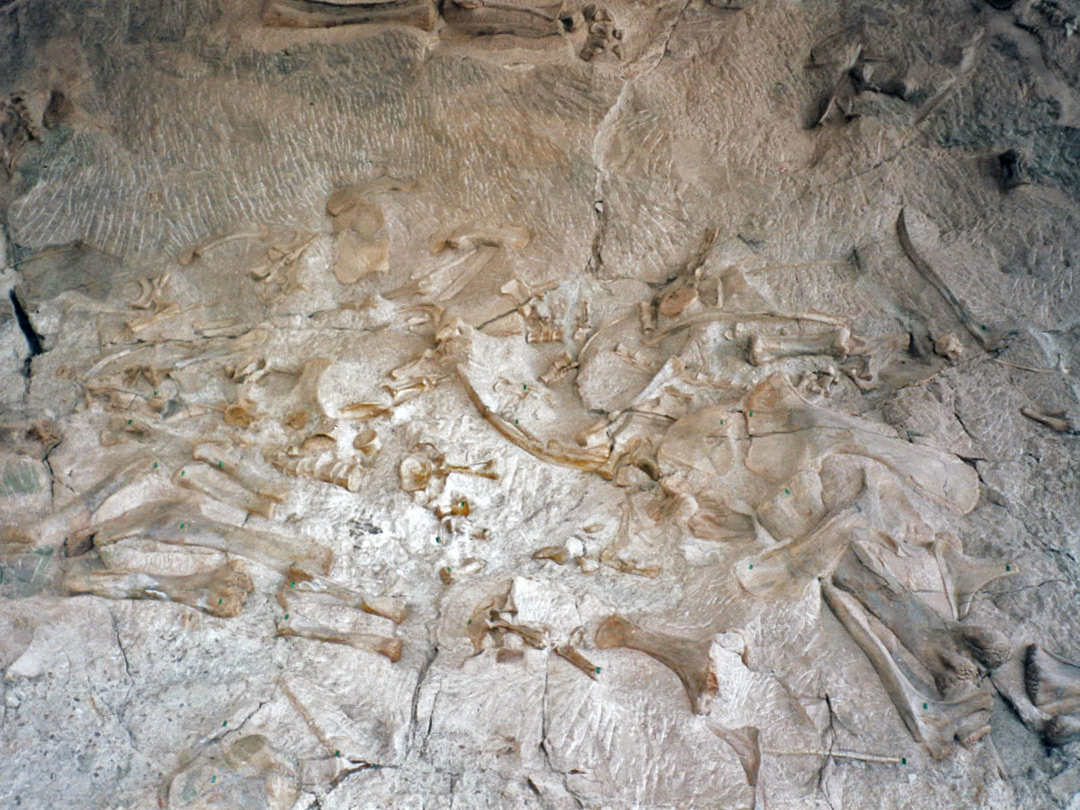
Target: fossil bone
<point>220,592</point>
<point>951,652</point>
<point>935,722</point>
<point>297,578</point>
<point>1055,421</point>
<point>1052,683</point>
<point>203,482</point>
<point>523,18</point>
<point>330,13</point>
<point>389,646</point>
<point>965,576</point>
<point>180,522</point>
<point>688,659</point>
<point>235,468</point>
<point>838,342</point>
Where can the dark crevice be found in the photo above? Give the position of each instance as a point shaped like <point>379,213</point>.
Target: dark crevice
<point>33,339</point>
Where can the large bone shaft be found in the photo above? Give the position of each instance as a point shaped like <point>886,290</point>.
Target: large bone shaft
<point>299,579</point>
<point>220,592</point>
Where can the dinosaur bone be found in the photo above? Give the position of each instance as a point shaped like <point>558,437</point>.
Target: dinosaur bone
<point>389,646</point>
<point>688,659</point>
<point>330,13</point>
<point>234,468</point>
<point>1051,683</point>
<point>220,592</point>
<point>180,522</point>
<point>935,722</point>
<point>837,342</point>
<point>299,579</point>
<point>953,653</point>
<point>489,17</point>
<point>965,576</point>
<point>207,482</point>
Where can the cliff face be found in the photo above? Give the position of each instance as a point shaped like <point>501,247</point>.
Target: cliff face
<point>538,404</point>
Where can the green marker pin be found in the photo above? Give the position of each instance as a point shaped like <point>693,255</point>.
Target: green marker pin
<point>292,584</point>
<point>220,463</point>
<point>129,421</point>
<point>598,670</point>
<point>524,387</point>
<point>286,617</point>
<point>213,779</point>
<point>469,621</point>
<point>183,472</point>
<point>219,601</point>
<point>750,413</point>
<point>181,525</point>
<point>787,491</point>
<point>926,706</point>
<point>903,760</point>
<point>437,540</point>
<point>224,723</point>
<point>721,421</point>
<point>751,566</point>
<point>155,465</point>
<point>1008,568</point>
<point>337,753</point>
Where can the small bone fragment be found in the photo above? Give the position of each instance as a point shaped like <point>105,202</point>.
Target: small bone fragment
<point>330,13</point>
<point>569,653</point>
<point>389,646</point>
<point>557,554</point>
<point>964,718</point>
<point>198,250</point>
<point>950,347</point>
<point>358,257</point>
<point>1051,683</point>
<point>679,299</point>
<point>299,579</point>
<point>220,592</point>
<point>953,653</point>
<point>689,660</point>
<point>838,343</point>
<point>1054,421</point>
<point>203,482</point>
<point>234,468</point>
<point>477,235</point>
<point>965,576</point>
<point>489,17</point>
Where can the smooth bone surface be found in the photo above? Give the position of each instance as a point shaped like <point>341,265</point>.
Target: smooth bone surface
<point>388,646</point>
<point>490,17</point>
<point>300,579</point>
<point>965,576</point>
<point>837,343</point>
<point>220,592</point>
<point>689,660</point>
<point>327,13</point>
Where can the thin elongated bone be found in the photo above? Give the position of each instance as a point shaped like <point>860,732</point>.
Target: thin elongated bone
<point>952,652</point>
<point>757,316</point>
<point>838,343</point>
<point>203,481</point>
<point>689,660</point>
<point>489,17</point>
<point>473,236</point>
<point>1056,422</point>
<point>965,576</point>
<point>389,646</point>
<point>299,579</point>
<point>977,331</point>
<point>588,459</point>
<point>327,13</point>
<point>838,754</point>
<point>179,522</point>
<point>936,723</point>
<point>569,653</point>
<point>198,250</point>
<point>1051,683</point>
<point>220,592</point>
<point>235,469</point>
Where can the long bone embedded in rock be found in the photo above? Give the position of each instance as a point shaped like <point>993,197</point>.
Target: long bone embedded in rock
<point>965,576</point>
<point>298,578</point>
<point>211,484</point>
<point>489,17</point>
<point>220,592</point>
<point>230,465</point>
<point>953,653</point>
<point>179,522</point>
<point>688,659</point>
<point>937,723</point>
<point>389,646</point>
<point>330,13</point>
<point>836,342</point>
<point>789,434</point>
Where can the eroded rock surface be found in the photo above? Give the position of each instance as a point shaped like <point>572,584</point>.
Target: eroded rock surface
<point>539,403</point>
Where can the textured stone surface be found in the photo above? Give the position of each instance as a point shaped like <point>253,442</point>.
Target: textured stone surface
<point>539,404</point>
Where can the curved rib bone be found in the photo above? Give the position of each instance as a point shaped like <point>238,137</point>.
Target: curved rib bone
<point>220,592</point>
<point>690,660</point>
<point>932,721</point>
<point>953,653</point>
